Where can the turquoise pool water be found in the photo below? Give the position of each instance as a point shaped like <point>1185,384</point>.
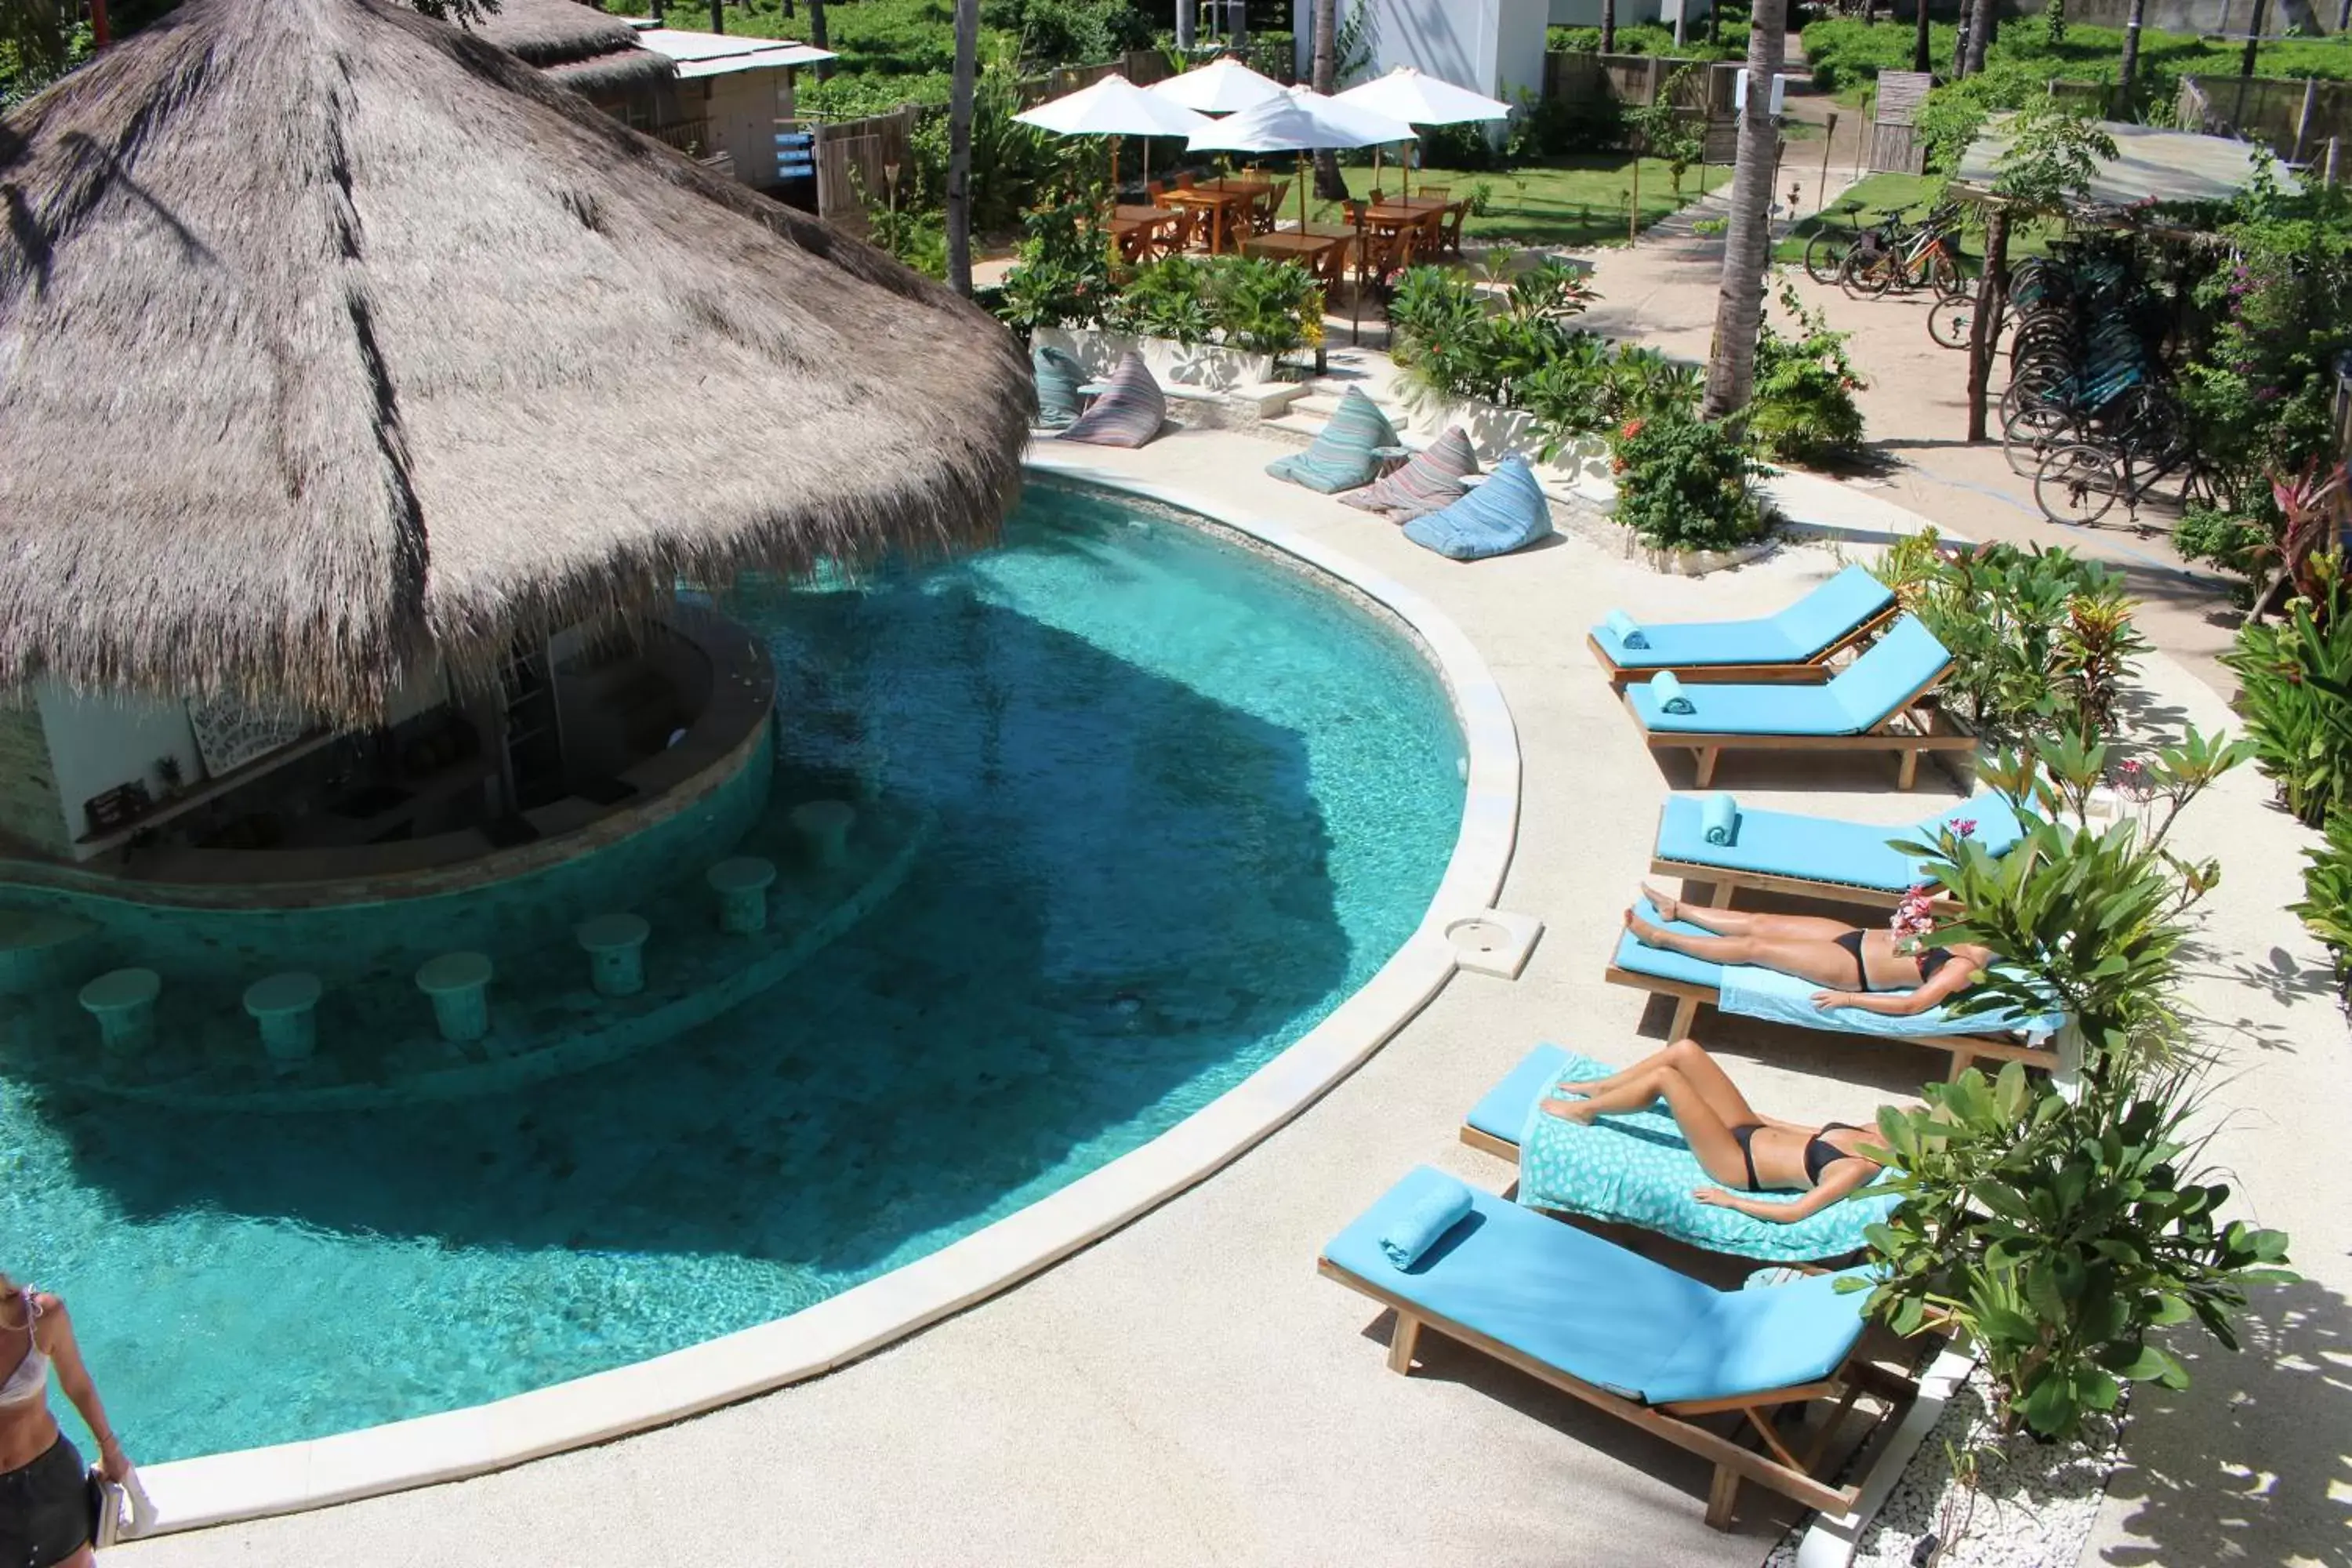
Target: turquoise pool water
<point>1179,801</point>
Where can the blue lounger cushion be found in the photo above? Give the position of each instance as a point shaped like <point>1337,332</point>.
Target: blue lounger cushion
<point>1827,848</point>
<point>1130,411</point>
<point>1058,376</point>
<point>1635,1168</point>
<point>1588,1308</point>
<point>1856,699</point>
<point>1803,631</point>
<point>1508,512</point>
<point>1757,993</point>
<point>1341,456</point>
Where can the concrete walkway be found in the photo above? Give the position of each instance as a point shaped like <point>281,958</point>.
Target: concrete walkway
<point>1189,1392</point>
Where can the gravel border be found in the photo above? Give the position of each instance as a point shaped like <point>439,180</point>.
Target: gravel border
<point>2033,1508</point>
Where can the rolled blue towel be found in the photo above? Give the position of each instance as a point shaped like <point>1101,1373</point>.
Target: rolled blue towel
<point>1627,634</point>
<point>1717,814</point>
<point>1418,1227</point>
<point>1671,698</point>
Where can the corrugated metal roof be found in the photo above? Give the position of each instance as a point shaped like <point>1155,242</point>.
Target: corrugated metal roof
<point>718,54</point>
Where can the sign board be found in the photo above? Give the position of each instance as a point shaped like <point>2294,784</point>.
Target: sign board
<point>795,155</point>
<point>1780,94</point>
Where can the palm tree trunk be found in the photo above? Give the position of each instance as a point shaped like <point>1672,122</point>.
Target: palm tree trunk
<point>1870,12</point>
<point>1187,24</point>
<point>2129,71</point>
<point>816,37</point>
<point>1748,242</point>
<point>1921,60</point>
<point>1968,11</point>
<point>1328,185</point>
<point>967,65</point>
<point>1608,27</point>
<point>1980,33</point>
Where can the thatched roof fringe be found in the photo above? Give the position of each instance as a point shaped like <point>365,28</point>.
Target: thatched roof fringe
<point>333,341</point>
<point>553,32</point>
<point>620,71</point>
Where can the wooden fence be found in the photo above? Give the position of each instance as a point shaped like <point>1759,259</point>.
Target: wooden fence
<point>1636,80</point>
<point>853,161</point>
<point>2295,120</point>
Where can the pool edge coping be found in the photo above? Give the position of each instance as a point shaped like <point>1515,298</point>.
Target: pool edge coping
<point>455,1445</point>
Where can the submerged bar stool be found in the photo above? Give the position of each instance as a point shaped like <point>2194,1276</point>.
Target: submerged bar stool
<point>286,1007</point>
<point>459,985</point>
<point>741,885</point>
<point>123,1002</point>
<point>824,826</point>
<point>616,953</point>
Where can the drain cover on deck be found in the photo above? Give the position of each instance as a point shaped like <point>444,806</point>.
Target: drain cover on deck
<point>1494,942</point>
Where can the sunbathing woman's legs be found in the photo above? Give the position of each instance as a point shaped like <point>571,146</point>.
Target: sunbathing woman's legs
<point>1815,958</point>
<point>1706,1133</point>
<point>1744,923</point>
<point>1711,1083</point>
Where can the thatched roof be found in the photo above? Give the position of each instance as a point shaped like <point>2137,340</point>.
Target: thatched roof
<point>332,338</point>
<point>577,45</point>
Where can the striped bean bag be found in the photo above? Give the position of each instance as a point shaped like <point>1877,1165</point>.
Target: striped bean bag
<point>1341,458</point>
<point>1059,377</point>
<point>1129,414</point>
<point>1508,512</point>
<point>1431,480</point>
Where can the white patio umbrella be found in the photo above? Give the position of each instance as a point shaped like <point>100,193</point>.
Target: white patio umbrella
<point>1417,99</point>
<point>1223,86</point>
<point>1298,121</point>
<point>1115,107</point>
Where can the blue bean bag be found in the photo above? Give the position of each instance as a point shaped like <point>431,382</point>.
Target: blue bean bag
<point>1059,377</point>
<point>1508,512</point>
<point>1341,458</point>
<point>1130,411</point>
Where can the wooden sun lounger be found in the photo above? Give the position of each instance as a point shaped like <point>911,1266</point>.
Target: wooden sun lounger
<point>1966,1049</point>
<point>1725,881</point>
<point>1765,1457</point>
<point>1803,672</point>
<point>1910,733</point>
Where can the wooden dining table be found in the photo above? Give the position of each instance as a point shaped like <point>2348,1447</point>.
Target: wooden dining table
<point>1219,199</point>
<point>1139,229</point>
<point>1313,250</point>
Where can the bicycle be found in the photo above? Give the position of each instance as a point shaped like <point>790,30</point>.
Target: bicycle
<point>2079,483</point>
<point>1929,255</point>
<point>1826,251</point>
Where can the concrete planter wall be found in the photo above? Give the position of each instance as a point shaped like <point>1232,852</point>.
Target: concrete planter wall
<point>1209,367</point>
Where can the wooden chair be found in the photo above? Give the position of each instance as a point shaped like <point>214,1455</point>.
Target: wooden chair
<point>1190,224</point>
<point>1268,208</point>
<point>1377,196</point>
<point>1434,193</point>
<point>1449,238</point>
<point>1183,182</point>
<point>1158,192</point>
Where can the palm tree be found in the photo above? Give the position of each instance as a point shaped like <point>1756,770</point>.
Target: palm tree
<point>2123,77</point>
<point>816,37</point>
<point>1747,241</point>
<point>1328,185</point>
<point>1987,22</point>
<point>967,65</point>
<point>1187,25</point>
<point>1970,9</point>
<point>1608,27</point>
<point>1920,59</point>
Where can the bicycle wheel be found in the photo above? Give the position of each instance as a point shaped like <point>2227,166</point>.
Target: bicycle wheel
<point>1947,277</point>
<point>1824,254</point>
<point>2078,485</point>
<point>1866,277</point>
<point>1951,320</point>
<point>2029,436</point>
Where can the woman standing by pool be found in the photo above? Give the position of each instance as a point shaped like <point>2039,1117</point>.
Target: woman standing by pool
<point>45,1512</point>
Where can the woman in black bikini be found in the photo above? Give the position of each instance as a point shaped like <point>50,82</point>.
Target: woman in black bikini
<point>1740,1147</point>
<point>1866,967</point>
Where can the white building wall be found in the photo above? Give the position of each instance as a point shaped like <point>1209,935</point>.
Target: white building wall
<point>98,741</point>
<point>1493,47</point>
<point>744,107</point>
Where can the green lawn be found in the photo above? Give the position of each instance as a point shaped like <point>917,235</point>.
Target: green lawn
<point>1581,199</point>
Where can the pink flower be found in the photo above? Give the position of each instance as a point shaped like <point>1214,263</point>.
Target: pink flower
<point>1966,827</point>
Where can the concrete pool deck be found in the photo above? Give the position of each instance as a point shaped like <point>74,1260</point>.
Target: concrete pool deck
<point>1187,1390</point>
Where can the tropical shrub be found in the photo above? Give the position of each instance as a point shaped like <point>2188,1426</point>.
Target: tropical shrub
<point>1802,409</point>
<point>1070,32</point>
<point>2058,1231</point>
<point>1687,484</point>
<point>2294,693</point>
<point>2326,906</point>
<point>2041,640</point>
<point>1061,273</point>
<point>1450,343</point>
<point>1258,306</point>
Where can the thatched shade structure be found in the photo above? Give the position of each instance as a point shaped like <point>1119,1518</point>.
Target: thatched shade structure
<point>333,339</point>
<point>584,48</point>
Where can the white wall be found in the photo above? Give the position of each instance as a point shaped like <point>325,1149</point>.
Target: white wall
<point>1493,47</point>
<point>98,741</point>
<point>1587,13</point>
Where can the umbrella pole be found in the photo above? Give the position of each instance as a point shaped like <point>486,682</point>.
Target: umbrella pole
<point>1302,193</point>
<point>1114,173</point>
<point>1356,294</point>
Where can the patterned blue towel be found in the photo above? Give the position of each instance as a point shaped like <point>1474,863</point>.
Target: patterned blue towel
<point>1636,1170</point>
